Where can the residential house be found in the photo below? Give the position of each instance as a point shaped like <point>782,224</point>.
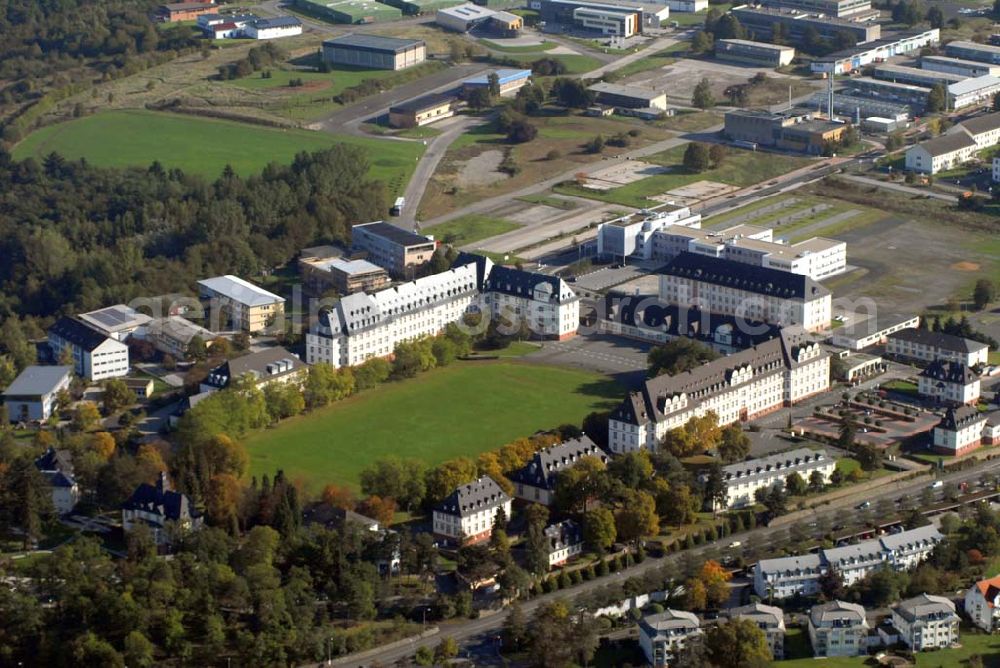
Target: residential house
<point>57,468</point>
<point>838,628</point>
<point>747,384</point>
<point>535,482</point>
<point>753,292</point>
<point>941,153</point>
<point>923,345</point>
<point>770,620</point>
<point>949,383</point>
<point>94,355</point>
<point>564,541</point>
<point>926,622</point>
<point>960,431</point>
<point>982,604</point>
<point>743,479</point>
<point>664,633</point>
<point>788,576</point>
<point>249,308</point>
<point>469,513</point>
<point>273,365</point>
<point>32,395</point>
<point>160,508</point>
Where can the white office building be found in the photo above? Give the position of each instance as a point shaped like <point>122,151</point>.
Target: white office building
<point>361,326</point>
<point>758,294</point>
<point>926,622</point>
<point>94,355</point>
<point>780,372</point>
<point>631,235</point>
<point>743,479</point>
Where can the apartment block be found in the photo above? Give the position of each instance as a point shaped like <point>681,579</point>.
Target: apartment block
<point>982,604</point>
<point>743,479</point>
<point>249,308</point>
<point>662,634</point>
<point>838,628</point>
<point>770,620</point>
<point>923,345</point>
<point>747,384</point>
<point>926,622</point>
<point>94,356</point>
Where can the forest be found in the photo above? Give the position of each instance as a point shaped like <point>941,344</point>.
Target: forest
<point>75,237</point>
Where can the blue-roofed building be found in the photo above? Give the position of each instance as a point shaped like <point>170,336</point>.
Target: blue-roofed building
<point>32,395</point>
<point>509,80</point>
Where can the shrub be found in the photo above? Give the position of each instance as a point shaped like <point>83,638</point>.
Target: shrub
<point>554,154</point>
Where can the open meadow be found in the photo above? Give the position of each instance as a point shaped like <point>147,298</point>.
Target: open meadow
<point>203,145</point>
<point>460,410</point>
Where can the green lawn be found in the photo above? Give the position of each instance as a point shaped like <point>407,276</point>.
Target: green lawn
<point>986,646</point>
<point>575,63</point>
<point>532,48</point>
<point>846,465</point>
<point>740,168</point>
<point>204,145</point>
<point>463,409</point>
<point>469,228</point>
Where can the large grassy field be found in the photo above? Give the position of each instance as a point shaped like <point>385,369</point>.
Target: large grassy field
<point>463,409</point>
<point>202,145</point>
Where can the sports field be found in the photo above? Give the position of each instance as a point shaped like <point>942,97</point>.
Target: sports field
<point>463,409</point>
<point>203,145</point>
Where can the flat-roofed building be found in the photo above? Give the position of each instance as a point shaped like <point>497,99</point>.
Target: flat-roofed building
<point>872,330</point>
<point>914,97</point>
<point>274,28</point>
<point>761,21</point>
<point>505,24</point>
<point>603,17</point>
<point>32,395</point>
<point>118,322</point>
<point>890,46</point>
<point>755,293</point>
<point>836,8</point>
<point>924,345</point>
<point>423,110</point>
<point>965,68</point>
<point>915,76</point>
<point>173,334</point>
<point>374,51</point>
<point>632,234</point>
<point>462,18</point>
<point>781,371</point>
<point>960,431</point>
<point>509,81</point>
<point>743,479</point>
<point>770,620</point>
<point>838,628</point>
<point>984,53</point>
<point>940,153</point>
<point>754,53</point>
<point>630,97</point>
<point>94,355</point>
<point>174,12</point>
<point>970,92</point>
<point>687,6</point>
<point>342,274</point>
<point>398,251</point>
<point>250,308</point>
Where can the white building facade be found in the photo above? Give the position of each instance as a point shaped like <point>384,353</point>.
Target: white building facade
<point>926,622</point>
<point>662,634</point>
<point>743,479</point>
<point>838,628</point>
<point>747,384</point>
<point>960,431</point>
<point>982,604</point>
<point>949,383</point>
<point>926,346</point>
<point>469,513</point>
<point>94,355</point>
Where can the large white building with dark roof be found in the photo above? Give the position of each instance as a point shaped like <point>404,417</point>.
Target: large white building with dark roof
<point>361,326</point>
<point>949,383</point>
<point>747,384</point>
<point>94,355</point>
<point>398,251</point>
<point>924,345</point>
<point>960,431</point>
<point>753,292</point>
<point>468,514</point>
<point>743,479</point>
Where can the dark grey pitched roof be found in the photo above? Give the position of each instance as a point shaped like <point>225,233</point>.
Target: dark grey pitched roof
<point>36,381</point>
<point>738,275</point>
<point>949,372</point>
<point>940,340</point>
<point>373,43</point>
<point>563,534</point>
<point>270,363</point>
<point>161,500</point>
<point>983,123</point>
<point>394,234</point>
<point>959,418</point>
<point>423,103</point>
<point>647,311</point>
<point>473,497</point>
<point>77,333</point>
<point>926,607</point>
<point>55,460</point>
<point>520,283</point>
<point>542,469</point>
<point>944,144</point>
<point>59,479</point>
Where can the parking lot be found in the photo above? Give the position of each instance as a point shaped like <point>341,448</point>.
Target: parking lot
<point>621,358</point>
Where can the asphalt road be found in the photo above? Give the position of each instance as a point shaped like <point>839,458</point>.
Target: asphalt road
<point>481,632</point>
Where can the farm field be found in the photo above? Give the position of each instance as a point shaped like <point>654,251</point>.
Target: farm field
<point>461,410</point>
<point>202,145</point>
